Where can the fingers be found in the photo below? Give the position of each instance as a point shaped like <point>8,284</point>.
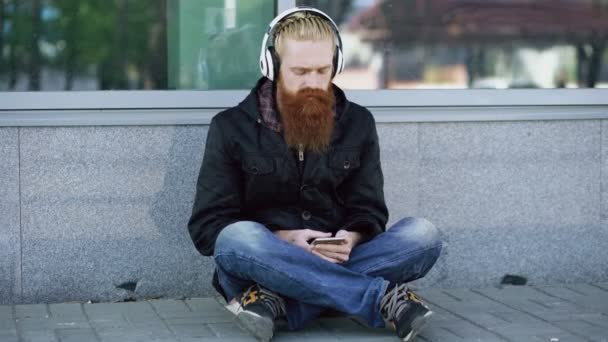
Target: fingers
<point>340,249</point>
<point>336,256</point>
<point>342,232</point>
<point>333,261</point>
<point>313,234</point>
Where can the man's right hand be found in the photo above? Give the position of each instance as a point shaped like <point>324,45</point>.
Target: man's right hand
<point>300,237</point>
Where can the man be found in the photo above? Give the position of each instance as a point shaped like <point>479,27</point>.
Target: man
<point>294,162</point>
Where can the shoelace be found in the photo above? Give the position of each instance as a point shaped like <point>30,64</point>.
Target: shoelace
<point>274,302</point>
<point>394,302</point>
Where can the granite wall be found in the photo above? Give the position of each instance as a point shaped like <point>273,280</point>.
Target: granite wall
<point>100,213</point>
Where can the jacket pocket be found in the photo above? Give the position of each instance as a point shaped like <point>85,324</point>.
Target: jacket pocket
<point>258,165</point>
<point>345,160</point>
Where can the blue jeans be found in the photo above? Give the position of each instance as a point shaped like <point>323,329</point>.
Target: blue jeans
<point>247,252</point>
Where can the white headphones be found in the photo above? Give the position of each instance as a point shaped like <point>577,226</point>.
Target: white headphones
<point>269,62</point>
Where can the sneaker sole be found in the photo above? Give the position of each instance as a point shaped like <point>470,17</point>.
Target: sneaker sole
<point>417,325</point>
<point>262,328</point>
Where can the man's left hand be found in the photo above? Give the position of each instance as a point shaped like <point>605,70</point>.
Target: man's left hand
<point>338,253</point>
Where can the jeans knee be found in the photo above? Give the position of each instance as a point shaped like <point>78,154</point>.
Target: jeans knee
<point>239,236</point>
<point>418,230</point>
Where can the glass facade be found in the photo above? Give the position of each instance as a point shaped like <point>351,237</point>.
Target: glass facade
<point>62,45</point>
<point>446,44</point>
<point>55,45</point>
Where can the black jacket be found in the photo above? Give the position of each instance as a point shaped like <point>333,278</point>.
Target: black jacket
<point>249,173</point>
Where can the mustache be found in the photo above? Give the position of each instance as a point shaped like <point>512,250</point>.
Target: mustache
<point>311,97</point>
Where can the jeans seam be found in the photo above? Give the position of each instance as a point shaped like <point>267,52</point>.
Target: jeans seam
<point>399,256</point>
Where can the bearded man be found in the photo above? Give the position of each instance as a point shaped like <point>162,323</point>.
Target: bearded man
<point>293,163</point>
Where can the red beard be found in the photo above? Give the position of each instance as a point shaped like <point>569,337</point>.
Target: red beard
<point>307,117</point>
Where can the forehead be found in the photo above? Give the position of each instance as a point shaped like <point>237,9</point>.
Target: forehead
<point>307,53</point>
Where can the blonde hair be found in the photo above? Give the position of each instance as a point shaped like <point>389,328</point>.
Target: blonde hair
<point>303,26</point>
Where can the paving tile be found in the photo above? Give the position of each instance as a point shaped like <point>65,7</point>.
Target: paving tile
<point>439,335</point>
<point>132,334</point>
<point>158,330</point>
<point>172,309</point>
<point>467,332</point>
<point>599,320</point>
<point>209,309</point>
<point>603,286</point>
<point>348,328</point>
<point>133,312</point>
<point>226,329</point>
<point>527,299</point>
<point>297,336</point>
<point>103,323</point>
<point>462,301</point>
<point>76,335</point>
<point>550,338</point>
<point>48,323</point>
<point>32,311</point>
<point>585,329</point>
<point>7,324</point>
<point>581,295</point>
<point>204,304</point>
<point>8,337</point>
<point>529,329</point>
<point>220,339</point>
<point>47,335</point>
<point>6,312</point>
<point>312,331</point>
<point>437,296</point>
<point>68,312</point>
<point>192,330</point>
<point>480,318</point>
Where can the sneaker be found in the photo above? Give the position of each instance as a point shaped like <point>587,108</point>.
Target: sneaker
<point>259,309</point>
<point>401,308</point>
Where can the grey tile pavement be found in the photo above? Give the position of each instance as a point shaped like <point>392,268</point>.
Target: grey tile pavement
<point>565,312</point>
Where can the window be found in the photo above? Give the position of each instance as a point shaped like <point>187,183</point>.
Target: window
<point>62,45</point>
<point>455,44</point>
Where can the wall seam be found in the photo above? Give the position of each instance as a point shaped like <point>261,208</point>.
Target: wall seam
<point>603,216</point>
<point>418,167</point>
<point>20,217</point>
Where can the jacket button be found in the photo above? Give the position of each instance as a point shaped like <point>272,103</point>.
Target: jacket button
<point>346,164</point>
<point>306,215</point>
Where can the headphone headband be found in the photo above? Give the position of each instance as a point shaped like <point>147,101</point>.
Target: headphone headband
<point>268,64</point>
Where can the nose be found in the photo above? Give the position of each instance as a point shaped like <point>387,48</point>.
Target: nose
<point>313,80</point>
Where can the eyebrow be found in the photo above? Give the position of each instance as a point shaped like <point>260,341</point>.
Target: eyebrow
<point>309,69</point>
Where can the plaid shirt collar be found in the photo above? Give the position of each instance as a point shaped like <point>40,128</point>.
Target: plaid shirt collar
<point>270,117</point>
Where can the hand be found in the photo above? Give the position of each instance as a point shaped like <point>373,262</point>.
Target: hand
<point>338,254</point>
<point>300,237</point>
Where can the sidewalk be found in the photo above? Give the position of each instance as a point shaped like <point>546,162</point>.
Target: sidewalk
<point>567,313</point>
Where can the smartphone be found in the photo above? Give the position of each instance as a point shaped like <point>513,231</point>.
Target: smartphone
<point>330,240</point>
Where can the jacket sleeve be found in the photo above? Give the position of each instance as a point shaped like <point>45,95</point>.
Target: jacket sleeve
<point>217,201</point>
<point>363,192</point>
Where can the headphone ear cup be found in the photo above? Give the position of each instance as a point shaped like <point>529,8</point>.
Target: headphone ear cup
<point>339,61</point>
<point>269,64</point>
<point>274,66</point>
<point>335,63</point>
